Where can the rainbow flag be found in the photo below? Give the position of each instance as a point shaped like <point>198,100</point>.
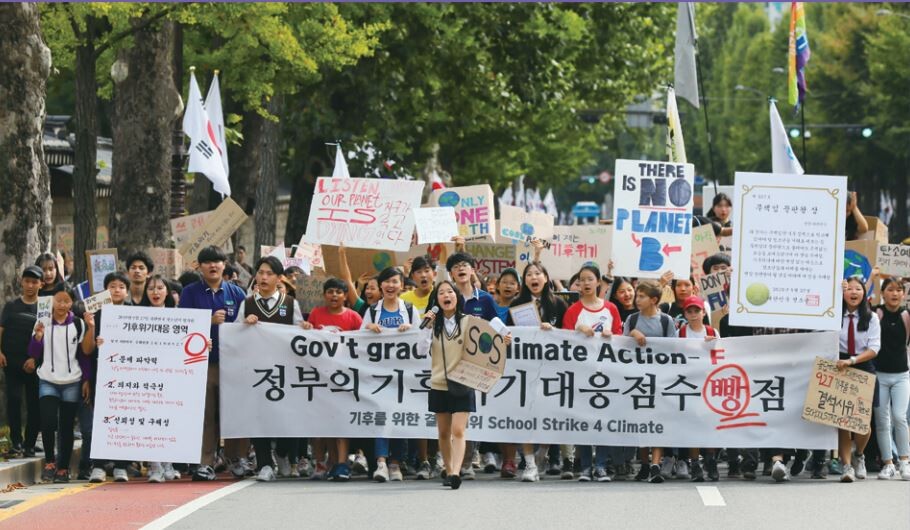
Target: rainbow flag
<point>798,55</point>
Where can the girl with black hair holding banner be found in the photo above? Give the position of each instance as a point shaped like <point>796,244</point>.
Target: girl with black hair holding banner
<point>860,341</point>
<point>452,402</point>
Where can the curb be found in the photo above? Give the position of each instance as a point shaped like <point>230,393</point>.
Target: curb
<point>27,471</point>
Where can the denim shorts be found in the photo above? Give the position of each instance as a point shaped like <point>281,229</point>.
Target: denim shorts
<point>70,393</point>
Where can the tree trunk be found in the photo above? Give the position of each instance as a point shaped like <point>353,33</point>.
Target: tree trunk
<point>146,103</point>
<point>302,188</point>
<point>85,167</point>
<point>25,220</point>
<point>178,151</point>
<point>245,167</point>
<point>267,189</point>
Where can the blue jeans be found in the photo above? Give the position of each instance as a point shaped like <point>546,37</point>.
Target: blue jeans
<point>891,413</point>
<point>398,449</point>
<point>600,456</point>
<point>70,393</point>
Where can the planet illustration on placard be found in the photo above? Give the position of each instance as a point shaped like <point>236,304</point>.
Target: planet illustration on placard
<point>527,229</point>
<point>382,260</point>
<point>449,198</point>
<point>485,342</point>
<point>757,294</point>
<point>856,264</point>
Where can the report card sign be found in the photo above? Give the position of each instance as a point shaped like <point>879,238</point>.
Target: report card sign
<point>364,213</point>
<point>652,212</point>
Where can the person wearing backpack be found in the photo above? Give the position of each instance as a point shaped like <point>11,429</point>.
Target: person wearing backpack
<point>62,377</point>
<point>649,321</point>
<point>893,380</point>
<point>390,312</point>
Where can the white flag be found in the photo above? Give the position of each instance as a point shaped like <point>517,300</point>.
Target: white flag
<point>549,204</point>
<point>520,198</point>
<point>535,203</point>
<point>507,198</point>
<point>205,153</point>
<point>341,167</point>
<point>213,109</point>
<point>783,159</point>
<point>685,73</point>
<point>676,147</point>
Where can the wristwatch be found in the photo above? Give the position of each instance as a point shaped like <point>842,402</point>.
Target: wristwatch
<point>852,361</point>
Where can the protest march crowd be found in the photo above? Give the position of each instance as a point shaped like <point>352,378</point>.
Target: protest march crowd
<point>51,365</point>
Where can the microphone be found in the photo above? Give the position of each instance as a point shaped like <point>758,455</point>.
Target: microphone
<point>426,317</point>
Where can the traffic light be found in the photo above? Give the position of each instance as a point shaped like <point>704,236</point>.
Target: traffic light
<point>860,131</point>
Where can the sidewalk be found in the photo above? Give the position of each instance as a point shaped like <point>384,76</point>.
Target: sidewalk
<point>27,471</point>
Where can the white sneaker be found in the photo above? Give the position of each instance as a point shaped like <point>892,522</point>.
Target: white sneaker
<point>239,468</point>
<point>905,469</point>
<point>666,467</point>
<point>859,463</point>
<point>98,475</point>
<point>848,474</point>
<point>284,466</point>
<point>304,468</point>
<point>888,472</point>
<point>120,475</point>
<point>170,473</point>
<point>475,459</point>
<point>156,472</point>
<point>779,472</point>
<point>489,462</point>
<point>682,469</point>
<point>530,473</point>
<point>382,472</point>
<point>265,474</point>
<point>467,472</point>
<point>395,473</point>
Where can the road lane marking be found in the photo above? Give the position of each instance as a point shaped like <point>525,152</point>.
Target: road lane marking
<point>189,508</point>
<point>710,496</point>
<point>28,504</point>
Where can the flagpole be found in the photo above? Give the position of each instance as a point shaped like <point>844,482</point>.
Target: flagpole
<point>704,106</point>
<point>802,115</point>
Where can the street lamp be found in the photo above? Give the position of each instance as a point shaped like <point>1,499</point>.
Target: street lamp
<point>888,13</point>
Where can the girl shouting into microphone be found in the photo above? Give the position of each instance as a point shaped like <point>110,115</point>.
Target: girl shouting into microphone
<point>452,402</point>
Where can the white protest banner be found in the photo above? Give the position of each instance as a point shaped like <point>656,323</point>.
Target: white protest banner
<point>704,244</point>
<point>515,224</point>
<point>216,230</point>
<point>152,370</point>
<point>570,248</point>
<point>558,387</point>
<point>893,259</point>
<point>45,306</point>
<point>168,262</point>
<point>363,213</point>
<point>94,303</point>
<point>435,225</point>
<point>652,212</point>
<point>100,263</point>
<point>491,258</point>
<point>484,359</point>
<point>473,209</point>
<point>788,251</point>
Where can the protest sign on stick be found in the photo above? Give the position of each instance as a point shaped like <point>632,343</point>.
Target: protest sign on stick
<point>713,289</point>
<point>360,261</point>
<point>788,251</point>
<point>704,244</point>
<point>893,260</point>
<point>570,248</point>
<point>152,370</point>
<point>99,263</point>
<point>652,213</point>
<point>216,230</point>
<point>473,209</point>
<point>841,399</point>
<point>515,224</point>
<point>94,303</point>
<point>435,225</point>
<point>363,213</point>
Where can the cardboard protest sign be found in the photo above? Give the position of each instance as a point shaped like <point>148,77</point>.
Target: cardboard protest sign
<point>652,212</point>
<point>841,399</point>
<point>309,291</point>
<point>183,227</point>
<point>788,251</point>
<point>704,244</point>
<point>363,213</point>
<point>100,263</point>
<point>491,258</point>
<point>473,209</point>
<point>94,303</point>
<point>878,231</point>
<point>168,262</point>
<point>435,225</point>
<point>216,230</point>
<point>360,261</point>
<point>893,260</point>
<point>515,224</point>
<point>570,248</point>
<point>713,289</point>
<point>438,251</point>
<point>484,356</point>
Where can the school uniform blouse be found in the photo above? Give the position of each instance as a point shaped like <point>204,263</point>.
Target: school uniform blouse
<point>871,339</point>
